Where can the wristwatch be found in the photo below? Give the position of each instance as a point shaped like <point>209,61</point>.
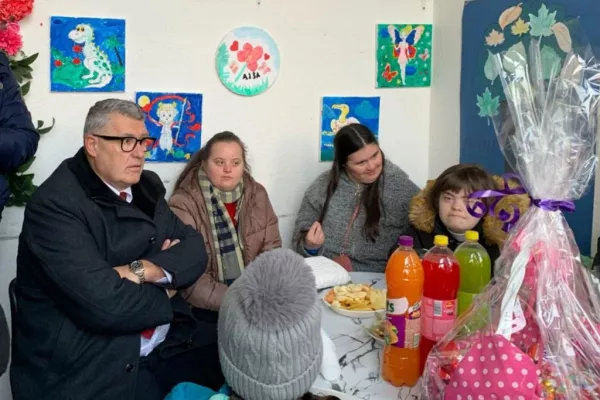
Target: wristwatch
<point>137,267</point>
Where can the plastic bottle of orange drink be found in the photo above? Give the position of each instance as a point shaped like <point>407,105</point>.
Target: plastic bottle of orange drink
<point>404,278</point>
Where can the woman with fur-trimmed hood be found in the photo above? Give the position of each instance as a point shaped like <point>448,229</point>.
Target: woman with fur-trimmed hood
<point>441,209</point>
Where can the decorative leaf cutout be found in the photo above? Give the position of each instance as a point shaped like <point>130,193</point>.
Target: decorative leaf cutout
<point>488,105</point>
<point>563,37</point>
<point>490,69</point>
<point>520,27</point>
<point>514,57</point>
<point>509,16</point>
<point>550,62</point>
<point>494,38</point>
<point>541,24</point>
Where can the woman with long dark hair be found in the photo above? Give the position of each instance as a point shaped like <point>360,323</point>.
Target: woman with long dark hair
<point>355,212</point>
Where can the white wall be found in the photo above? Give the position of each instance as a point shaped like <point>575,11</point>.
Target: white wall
<point>444,134</point>
<point>327,48</point>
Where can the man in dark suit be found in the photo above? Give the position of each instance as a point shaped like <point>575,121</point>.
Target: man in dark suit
<point>101,258</point>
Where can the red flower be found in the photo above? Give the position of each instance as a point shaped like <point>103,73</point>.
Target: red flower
<point>250,55</point>
<point>58,63</point>
<point>76,61</point>
<point>15,10</point>
<point>77,48</point>
<point>10,38</point>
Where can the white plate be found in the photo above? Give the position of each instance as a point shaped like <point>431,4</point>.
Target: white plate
<point>352,313</point>
<point>378,339</point>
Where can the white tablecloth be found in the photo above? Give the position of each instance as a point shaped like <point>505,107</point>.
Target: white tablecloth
<point>359,355</point>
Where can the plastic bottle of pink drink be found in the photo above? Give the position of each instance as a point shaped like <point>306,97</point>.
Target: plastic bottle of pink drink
<point>440,291</point>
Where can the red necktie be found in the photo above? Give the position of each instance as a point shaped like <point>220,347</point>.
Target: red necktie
<point>123,195</point>
<point>147,333</point>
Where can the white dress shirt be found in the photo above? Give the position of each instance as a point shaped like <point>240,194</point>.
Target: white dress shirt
<point>160,333</point>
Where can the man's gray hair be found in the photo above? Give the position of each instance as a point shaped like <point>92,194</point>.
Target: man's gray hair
<point>99,114</point>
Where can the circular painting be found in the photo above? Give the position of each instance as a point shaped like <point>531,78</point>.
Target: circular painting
<point>247,61</point>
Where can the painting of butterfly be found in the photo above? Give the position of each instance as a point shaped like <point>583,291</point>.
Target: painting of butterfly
<point>403,55</point>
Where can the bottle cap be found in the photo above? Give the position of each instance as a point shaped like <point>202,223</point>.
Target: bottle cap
<point>405,241</point>
<point>472,235</point>
<point>440,240</point>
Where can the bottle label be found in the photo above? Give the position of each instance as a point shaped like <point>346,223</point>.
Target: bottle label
<point>403,323</point>
<point>439,317</point>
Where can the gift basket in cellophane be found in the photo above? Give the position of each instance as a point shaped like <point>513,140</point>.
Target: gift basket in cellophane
<point>534,333</point>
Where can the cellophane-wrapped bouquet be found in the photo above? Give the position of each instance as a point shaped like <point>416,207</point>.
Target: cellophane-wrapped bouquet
<point>534,332</point>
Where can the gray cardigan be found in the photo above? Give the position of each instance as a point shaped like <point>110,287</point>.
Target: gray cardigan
<point>397,191</point>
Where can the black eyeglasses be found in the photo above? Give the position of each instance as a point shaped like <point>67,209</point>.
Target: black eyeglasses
<point>129,143</point>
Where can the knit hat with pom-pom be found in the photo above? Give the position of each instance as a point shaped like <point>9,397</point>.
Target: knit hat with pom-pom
<point>270,329</point>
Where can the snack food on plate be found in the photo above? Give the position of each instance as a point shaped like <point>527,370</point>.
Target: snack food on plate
<point>356,297</point>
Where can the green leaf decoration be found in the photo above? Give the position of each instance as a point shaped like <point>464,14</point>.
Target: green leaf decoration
<point>515,57</point>
<point>18,75</point>
<point>488,105</point>
<point>24,167</point>
<point>550,62</point>
<point>25,89</point>
<point>29,60</point>
<point>490,69</point>
<point>45,130</point>
<point>541,24</point>
<point>21,185</point>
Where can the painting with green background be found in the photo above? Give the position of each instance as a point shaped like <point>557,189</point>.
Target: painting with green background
<point>403,55</point>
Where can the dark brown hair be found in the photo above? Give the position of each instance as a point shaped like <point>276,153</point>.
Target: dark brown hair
<point>204,153</point>
<point>348,140</point>
<point>307,396</point>
<point>467,177</point>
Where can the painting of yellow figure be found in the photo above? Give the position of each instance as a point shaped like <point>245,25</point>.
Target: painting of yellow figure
<point>338,112</point>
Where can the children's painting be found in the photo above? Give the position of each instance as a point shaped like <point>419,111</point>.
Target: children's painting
<point>87,54</point>
<point>403,55</point>
<point>247,61</point>
<point>338,112</point>
<point>175,120</point>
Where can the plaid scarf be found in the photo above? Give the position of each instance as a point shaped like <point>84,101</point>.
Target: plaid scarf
<point>228,246</point>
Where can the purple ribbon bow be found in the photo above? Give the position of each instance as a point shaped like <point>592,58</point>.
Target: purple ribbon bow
<point>479,209</point>
<point>554,205</point>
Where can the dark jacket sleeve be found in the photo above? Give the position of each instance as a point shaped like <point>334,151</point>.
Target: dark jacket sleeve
<point>4,343</point>
<point>18,137</point>
<point>67,263</point>
<point>187,260</point>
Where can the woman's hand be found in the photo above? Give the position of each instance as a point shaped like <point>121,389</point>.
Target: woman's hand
<point>314,238</point>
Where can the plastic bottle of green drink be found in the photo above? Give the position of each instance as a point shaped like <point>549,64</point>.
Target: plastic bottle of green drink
<point>475,269</point>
